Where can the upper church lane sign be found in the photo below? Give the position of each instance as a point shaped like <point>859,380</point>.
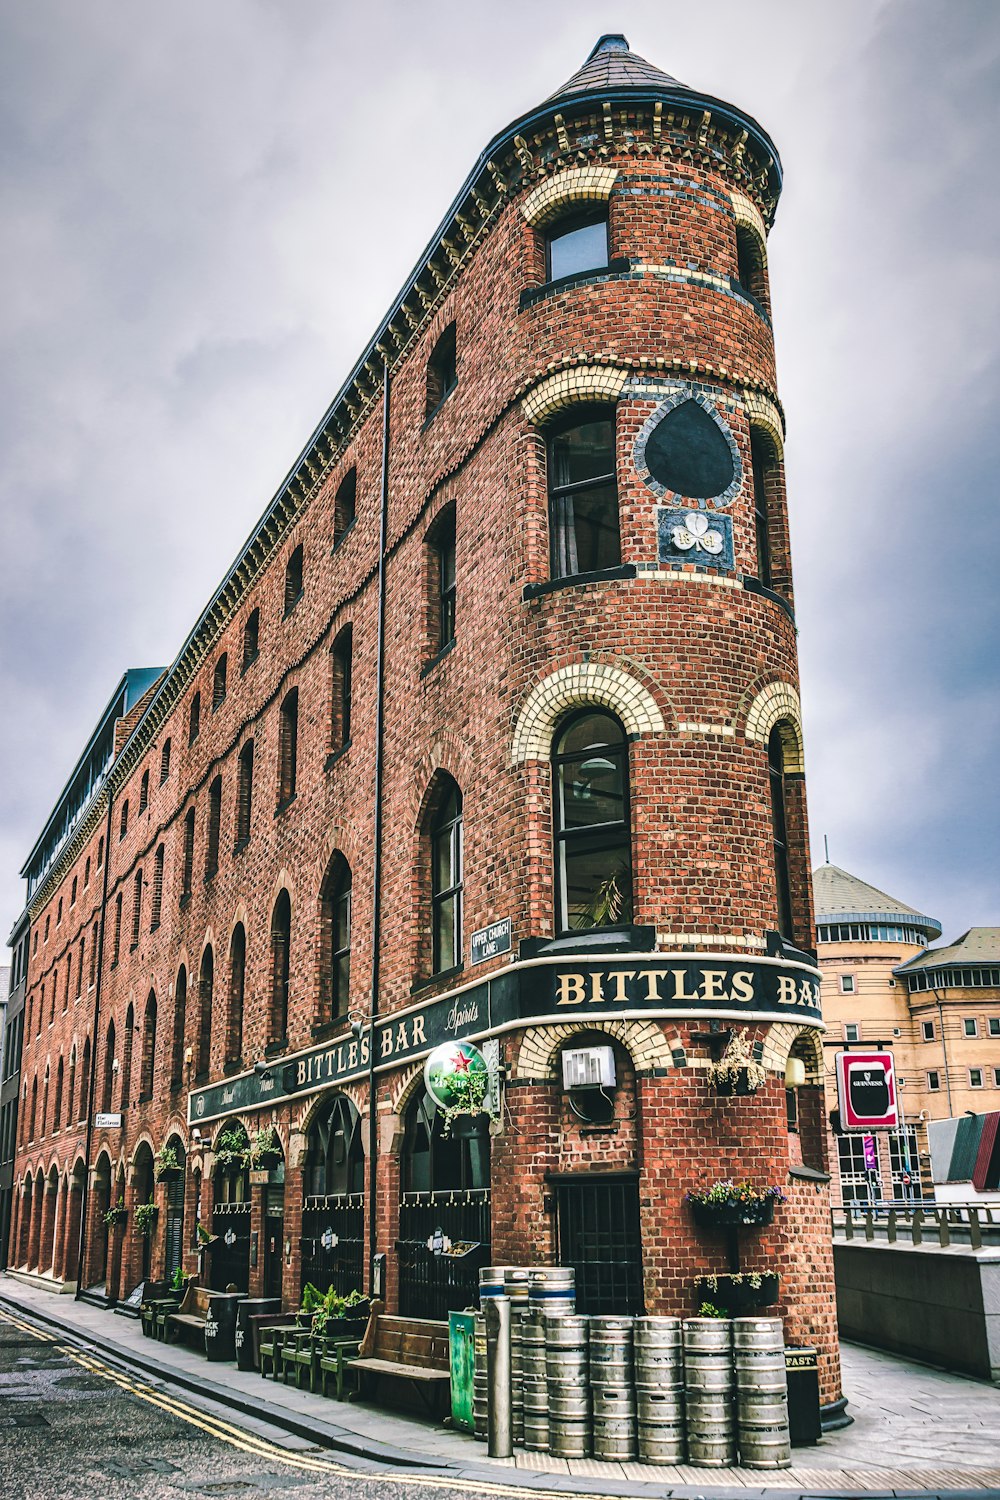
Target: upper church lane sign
<point>541,991</point>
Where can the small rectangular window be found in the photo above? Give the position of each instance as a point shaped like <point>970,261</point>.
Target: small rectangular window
<point>251,638</point>
<point>927,1030</point>
<point>577,244</point>
<point>994,1025</point>
<point>852,1031</point>
<point>996,1078</point>
<point>975,1078</point>
<point>583,499</point>
<point>970,1026</point>
<point>933,1081</point>
<point>847,984</point>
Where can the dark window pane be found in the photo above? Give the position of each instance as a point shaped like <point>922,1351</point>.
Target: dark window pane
<point>583,248</point>
<point>584,452</point>
<point>598,882</point>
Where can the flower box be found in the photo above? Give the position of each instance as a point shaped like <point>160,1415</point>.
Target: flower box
<point>465,1126</point>
<point>740,1085</point>
<point>737,1294</point>
<point>733,1213</point>
<point>169,1174</point>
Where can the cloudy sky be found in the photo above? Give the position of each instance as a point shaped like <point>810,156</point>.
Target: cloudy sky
<point>206,208</point>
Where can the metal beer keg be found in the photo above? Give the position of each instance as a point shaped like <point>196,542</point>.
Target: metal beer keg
<point>761,1393</point>
<point>709,1386</point>
<point>552,1289</point>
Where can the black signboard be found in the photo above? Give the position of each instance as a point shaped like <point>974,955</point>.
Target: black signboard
<point>540,990</point>
<point>490,942</point>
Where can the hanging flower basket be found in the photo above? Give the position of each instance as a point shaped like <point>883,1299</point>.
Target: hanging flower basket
<point>166,1165</point>
<point>739,1083</point>
<point>264,1153</point>
<point>738,1070</point>
<point>144,1218</point>
<point>466,1127</point>
<point>739,1293</point>
<point>116,1215</point>
<point>734,1205</point>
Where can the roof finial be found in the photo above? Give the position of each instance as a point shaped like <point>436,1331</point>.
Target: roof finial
<point>612,41</point>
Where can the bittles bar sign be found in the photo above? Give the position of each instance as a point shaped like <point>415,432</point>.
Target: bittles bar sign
<point>866,1085</point>
<point>539,992</point>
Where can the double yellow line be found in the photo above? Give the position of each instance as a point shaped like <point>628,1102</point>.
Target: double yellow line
<point>245,1442</point>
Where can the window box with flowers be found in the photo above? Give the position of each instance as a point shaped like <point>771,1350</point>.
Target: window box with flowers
<point>733,1205</point>
<point>264,1153</point>
<point>467,1115</point>
<point>167,1166</point>
<point>232,1150</point>
<point>144,1217</point>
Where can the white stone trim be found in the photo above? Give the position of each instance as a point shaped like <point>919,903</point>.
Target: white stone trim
<point>726,730</point>
<point>778,703</point>
<point>580,384</point>
<point>711,940</point>
<point>748,216</point>
<point>550,198</point>
<point>762,413</point>
<point>571,687</point>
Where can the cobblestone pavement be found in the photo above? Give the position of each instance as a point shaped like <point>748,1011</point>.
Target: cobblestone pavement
<point>76,1422</point>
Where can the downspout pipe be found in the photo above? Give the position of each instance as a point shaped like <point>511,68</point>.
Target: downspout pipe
<point>377,841</point>
<point>92,1081</point>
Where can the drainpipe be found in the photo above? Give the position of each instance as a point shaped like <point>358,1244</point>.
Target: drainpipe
<point>92,1081</point>
<point>377,867</point>
<point>944,1048</point>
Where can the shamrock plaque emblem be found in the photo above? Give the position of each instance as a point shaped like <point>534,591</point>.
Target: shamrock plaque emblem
<point>696,533</point>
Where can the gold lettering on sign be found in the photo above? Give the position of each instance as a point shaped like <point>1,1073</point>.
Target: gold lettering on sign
<point>352,1055</point>
<point>595,989</point>
<point>418,1030</point>
<point>387,1042</point>
<point>569,989</point>
<point>401,1037</point>
<point>621,978</point>
<point>366,1051</point>
<point>713,984</point>
<point>742,985</point>
<point>300,1073</point>
<point>786,990</point>
<point>680,993</point>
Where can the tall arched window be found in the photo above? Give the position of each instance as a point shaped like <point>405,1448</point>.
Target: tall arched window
<point>214,828</point>
<point>109,1068</point>
<point>244,795</point>
<point>251,639</point>
<point>776,777</point>
<point>446,880</point>
<point>165,761</point>
<point>194,719</point>
<point>763,466</point>
<point>237,987</point>
<point>341,665</point>
<point>180,1019</point>
<point>85,1081</point>
<point>144,792</point>
<point>58,1103</point>
<point>442,371</point>
<point>127,1042</point>
<point>157,904</point>
<point>219,681</point>
<point>71,1089</point>
<point>335,1162</point>
<point>293,580</point>
<point>593,841</point>
<point>434,1162</point>
<point>187,855</point>
<point>206,988</point>
<point>33,1117</point>
<point>281,943</point>
<point>750,265</point>
<point>442,586</point>
<point>148,1049</point>
<point>583,497</point>
<point>288,736</point>
<point>345,506</point>
<point>136,906</point>
<point>335,940</point>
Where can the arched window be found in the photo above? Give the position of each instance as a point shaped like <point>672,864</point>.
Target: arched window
<point>180,1019</point>
<point>187,855</point>
<point>776,777</point>
<point>80,964</point>
<point>765,493</point>
<point>206,987</point>
<point>194,719</point>
<point>237,986</point>
<point>58,1102</point>
<point>69,978</point>
<point>345,506</point>
<point>281,942</point>
<point>43,1123</point>
<point>214,828</point>
<point>116,946</point>
<point>84,1082</point>
<point>288,736</point>
<point>251,638</point>
<point>165,761</point>
<point>86,872</point>
<point>33,1117</point>
<point>583,497</point>
<point>109,1069</point>
<point>148,1049</point>
<point>577,243</point>
<point>446,880</point>
<point>441,580</point>
<point>340,718</point>
<point>94,938</point>
<point>127,1041</point>
<point>136,906</point>
<point>335,1162</point>
<point>293,580</point>
<point>750,272</point>
<point>100,857</point>
<point>71,1089</point>
<point>593,843</point>
<point>52,999</point>
<point>434,1162</point>
<point>123,821</point>
<point>442,371</point>
<point>144,792</point>
<point>335,940</point>
<point>244,795</point>
<point>72,897</point>
<point>219,681</point>
<point>157,904</point>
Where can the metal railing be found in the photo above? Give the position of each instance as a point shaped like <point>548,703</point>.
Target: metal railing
<point>944,1224</point>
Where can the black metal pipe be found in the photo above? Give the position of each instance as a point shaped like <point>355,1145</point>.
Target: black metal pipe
<point>377,841</point>
<point>92,1080</point>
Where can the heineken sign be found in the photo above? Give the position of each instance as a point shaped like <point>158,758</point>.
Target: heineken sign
<point>534,993</point>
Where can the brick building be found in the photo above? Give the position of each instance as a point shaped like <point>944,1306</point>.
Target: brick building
<point>491,732</point>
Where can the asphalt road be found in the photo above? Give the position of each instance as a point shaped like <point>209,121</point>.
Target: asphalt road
<point>73,1427</point>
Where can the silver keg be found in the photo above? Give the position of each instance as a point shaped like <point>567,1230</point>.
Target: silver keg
<point>480,1393</point>
<point>552,1289</point>
<point>536,1414</point>
<point>611,1352</point>
<point>516,1286</point>
<point>761,1393</point>
<point>711,1430</point>
<point>709,1384</point>
<point>661,1424</point>
<point>659,1352</point>
<point>614,1413</point>
<point>516,1379</point>
<point>566,1364</point>
<point>491,1281</point>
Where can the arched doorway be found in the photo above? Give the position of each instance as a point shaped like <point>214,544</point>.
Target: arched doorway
<point>444,1202</point>
<point>142,1192</point>
<point>229,1255</point>
<point>173,1228</point>
<point>98,1264</point>
<point>272,1182</point>
<point>333,1228</point>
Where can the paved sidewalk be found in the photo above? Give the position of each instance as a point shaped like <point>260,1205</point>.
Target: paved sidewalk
<point>915,1428</point>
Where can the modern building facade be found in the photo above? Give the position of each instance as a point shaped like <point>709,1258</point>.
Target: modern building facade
<point>937,1009</point>
<point>491,733</point>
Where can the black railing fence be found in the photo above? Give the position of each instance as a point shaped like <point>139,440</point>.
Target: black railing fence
<point>444,1240</point>
<point>333,1242</point>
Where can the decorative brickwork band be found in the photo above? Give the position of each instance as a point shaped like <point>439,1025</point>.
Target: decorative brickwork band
<point>779,1042</point>
<point>571,687</point>
<point>764,414</point>
<point>747,215</point>
<point>645,1043</point>
<point>584,383</point>
<point>578,185</point>
<point>778,703</point>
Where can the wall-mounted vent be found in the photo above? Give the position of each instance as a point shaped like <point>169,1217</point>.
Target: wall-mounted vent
<point>588,1068</point>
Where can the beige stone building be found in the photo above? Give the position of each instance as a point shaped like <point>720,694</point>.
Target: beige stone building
<point>938,1009</point>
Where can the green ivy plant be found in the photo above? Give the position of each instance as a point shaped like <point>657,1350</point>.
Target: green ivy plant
<point>264,1143</point>
<point>144,1218</point>
<point>709,1310</point>
<point>166,1160</point>
<point>115,1214</point>
<point>232,1149</point>
<point>469,1092</point>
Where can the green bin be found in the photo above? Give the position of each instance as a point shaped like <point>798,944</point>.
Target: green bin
<point>460,1339</point>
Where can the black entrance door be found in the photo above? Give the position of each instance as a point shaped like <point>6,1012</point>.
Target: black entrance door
<point>230,1254</point>
<point>274,1240</point>
<point>598,1229</point>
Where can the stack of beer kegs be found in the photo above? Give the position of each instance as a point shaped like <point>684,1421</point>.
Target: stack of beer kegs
<point>566,1364</point>
<point>761,1393</point>
<point>534,1386</point>
<point>612,1388</point>
<point>659,1389</point>
<point>708,1392</point>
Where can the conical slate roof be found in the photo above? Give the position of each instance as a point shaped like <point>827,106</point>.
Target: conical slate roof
<point>612,66</point>
<point>840,896</point>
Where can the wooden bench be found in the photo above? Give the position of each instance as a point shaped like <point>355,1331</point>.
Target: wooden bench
<point>412,1349</point>
<point>191,1314</point>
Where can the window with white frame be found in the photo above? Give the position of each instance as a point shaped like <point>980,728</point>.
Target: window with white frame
<point>975,1078</point>
<point>993,1025</point>
<point>933,1081</point>
<point>852,1031</point>
<point>927,1031</point>
<point>847,984</point>
<point>970,1026</point>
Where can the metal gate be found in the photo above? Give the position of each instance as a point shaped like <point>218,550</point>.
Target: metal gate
<point>230,1254</point>
<point>333,1242</point>
<point>598,1234</point>
<point>439,1272</point>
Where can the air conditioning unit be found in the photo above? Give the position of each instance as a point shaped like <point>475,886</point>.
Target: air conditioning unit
<point>588,1068</point>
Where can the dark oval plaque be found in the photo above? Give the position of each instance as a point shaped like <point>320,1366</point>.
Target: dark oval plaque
<point>688,453</point>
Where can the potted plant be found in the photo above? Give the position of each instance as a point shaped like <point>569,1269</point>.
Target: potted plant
<point>730,1205</point>
<point>339,1316</point>
<point>204,1240</point>
<point>232,1150</point>
<point>739,1292</point>
<point>144,1218</point>
<point>167,1164</point>
<point>265,1149</point>
<point>737,1071</point>
<point>468,1114</point>
<point>116,1214</point>
<point>177,1279</point>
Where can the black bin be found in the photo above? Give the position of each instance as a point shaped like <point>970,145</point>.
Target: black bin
<point>802,1369</point>
<point>249,1308</point>
<point>220,1325</point>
